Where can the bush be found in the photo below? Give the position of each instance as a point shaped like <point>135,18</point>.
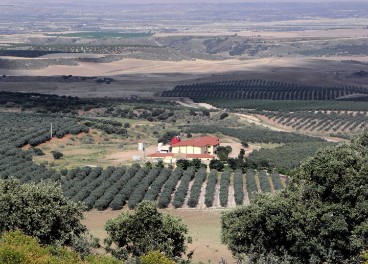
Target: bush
<point>224,115</point>
<point>57,155</point>
<point>216,165</point>
<point>15,247</point>
<point>37,151</point>
<point>155,257</point>
<point>145,230</point>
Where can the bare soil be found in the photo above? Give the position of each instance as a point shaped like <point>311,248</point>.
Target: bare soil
<point>146,77</point>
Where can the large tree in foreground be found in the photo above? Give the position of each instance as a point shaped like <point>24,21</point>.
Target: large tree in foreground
<point>40,210</point>
<point>321,217</point>
<point>145,230</point>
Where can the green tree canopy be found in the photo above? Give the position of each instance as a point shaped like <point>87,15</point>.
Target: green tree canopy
<point>321,217</point>
<point>145,230</point>
<point>40,210</point>
<point>216,165</point>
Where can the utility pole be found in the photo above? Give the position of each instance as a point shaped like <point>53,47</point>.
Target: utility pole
<point>51,131</point>
<point>144,150</point>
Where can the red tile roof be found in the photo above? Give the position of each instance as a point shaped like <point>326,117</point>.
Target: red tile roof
<point>160,155</point>
<point>200,156</point>
<point>199,142</point>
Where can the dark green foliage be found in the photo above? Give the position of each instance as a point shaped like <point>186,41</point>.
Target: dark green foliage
<point>253,134</point>
<point>321,216</point>
<point>224,188</point>
<point>224,115</point>
<point>142,188</point>
<point>223,152</point>
<point>169,188</point>
<point>195,191</point>
<point>211,188</point>
<point>216,165</point>
<point>37,151</point>
<point>156,186</point>
<point>282,105</point>
<point>238,187</point>
<point>20,129</point>
<point>57,155</point>
<point>206,113</point>
<point>40,210</point>
<point>182,190</point>
<point>326,121</point>
<point>120,181</point>
<point>262,90</point>
<point>167,137</point>
<point>285,157</point>
<point>145,230</point>
<point>264,182</point>
<point>119,200</point>
<point>107,180</point>
<point>251,183</point>
<point>183,163</point>
<point>276,180</point>
<point>90,183</point>
<point>236,163</point>
<point>245,144</point>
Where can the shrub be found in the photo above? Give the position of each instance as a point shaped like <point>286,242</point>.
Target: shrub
<point>57,155</point>
<point>155,257</point>
<point>145,230</point>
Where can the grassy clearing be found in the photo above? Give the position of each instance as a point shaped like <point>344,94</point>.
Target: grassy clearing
<point>95,148</point>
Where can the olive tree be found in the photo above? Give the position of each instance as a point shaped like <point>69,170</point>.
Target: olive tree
<point>40,210</point>
<point>146,229</point>
<point>321,217</point>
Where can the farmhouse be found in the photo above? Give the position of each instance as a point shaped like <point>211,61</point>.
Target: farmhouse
<point>202,148</point>
<point>196,146</point>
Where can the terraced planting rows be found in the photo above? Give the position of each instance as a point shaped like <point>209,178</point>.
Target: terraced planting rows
<point>325,121</point>
<point>266,90</point>
<point>119,187</point>
<point>20,129</point>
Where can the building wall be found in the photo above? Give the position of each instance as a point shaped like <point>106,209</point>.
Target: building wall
<point>167,160</point>
<point>211,150</point>
<point>188,150</point>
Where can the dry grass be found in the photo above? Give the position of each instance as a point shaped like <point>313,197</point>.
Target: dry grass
<point>145,78</point>
<point>104,150</point>
<point>204,228</point>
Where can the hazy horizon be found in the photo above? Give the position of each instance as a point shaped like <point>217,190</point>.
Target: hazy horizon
<point>12,2</point>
